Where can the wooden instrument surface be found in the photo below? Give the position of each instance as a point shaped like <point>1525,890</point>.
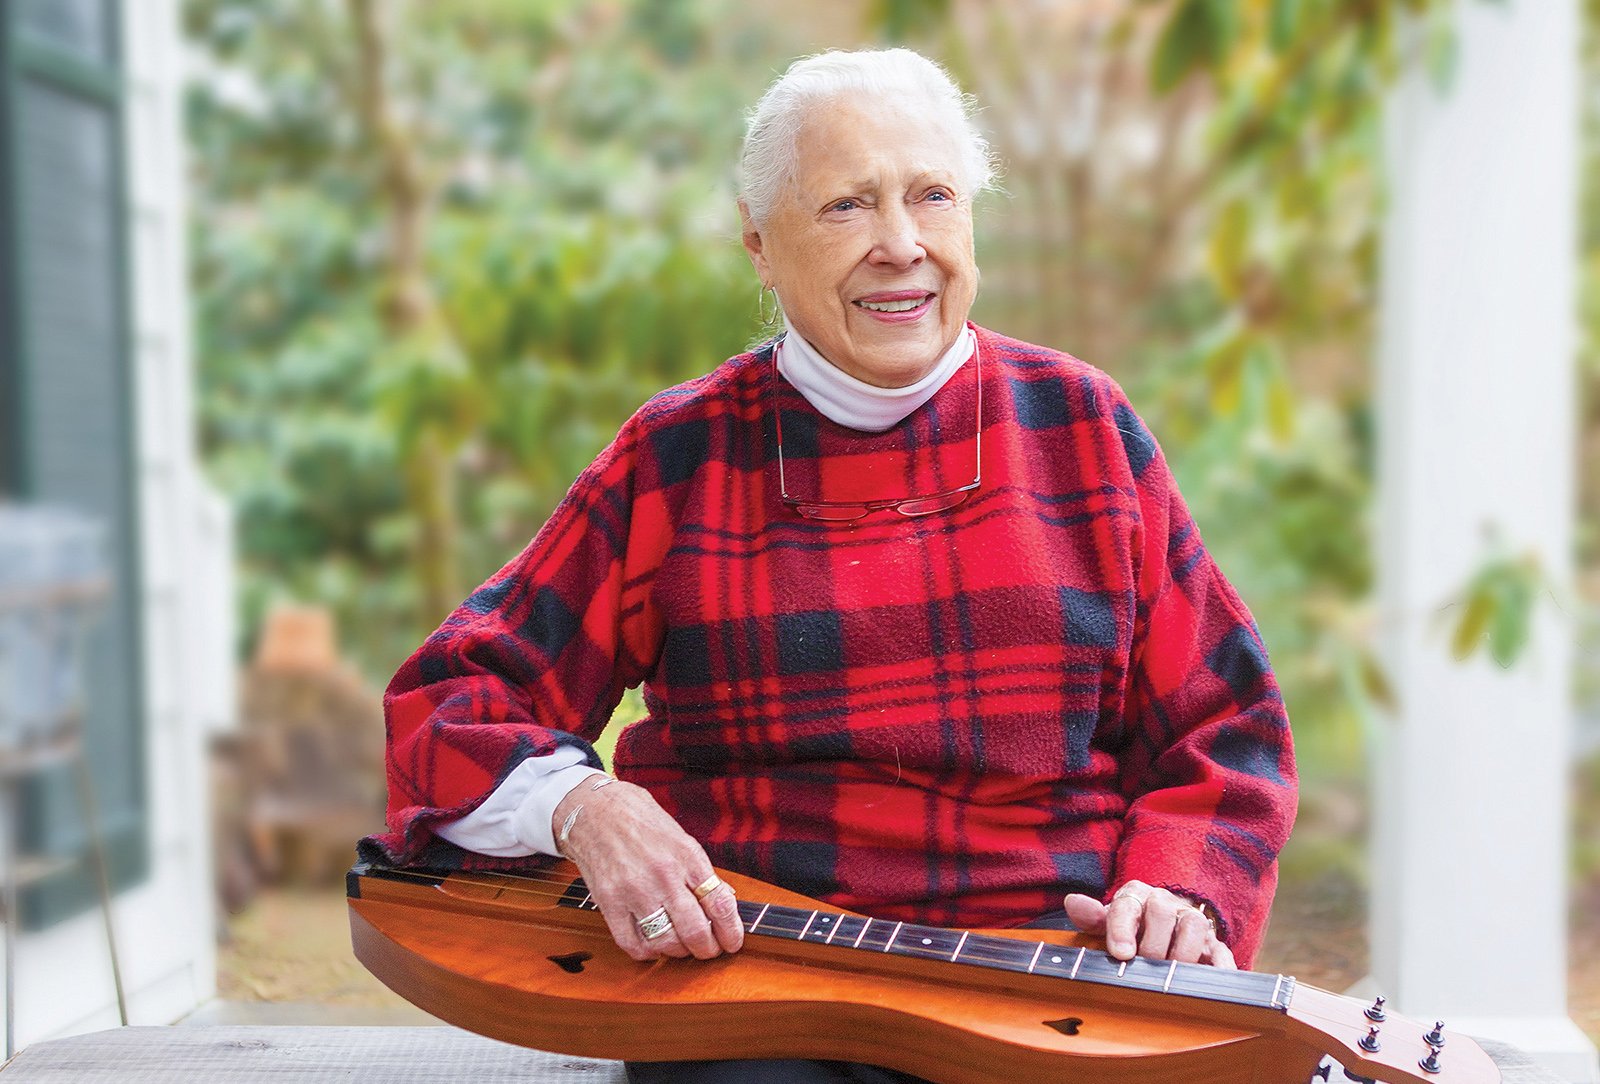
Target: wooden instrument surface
<point>528,960</point>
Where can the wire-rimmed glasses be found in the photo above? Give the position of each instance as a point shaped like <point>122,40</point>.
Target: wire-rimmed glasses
<point>921,505</point>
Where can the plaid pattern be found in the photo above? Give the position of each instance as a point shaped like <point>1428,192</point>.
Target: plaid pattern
<point>948,720</point>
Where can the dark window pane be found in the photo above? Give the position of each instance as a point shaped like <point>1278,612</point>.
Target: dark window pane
<point>75,410</point>
<point>82,27</point>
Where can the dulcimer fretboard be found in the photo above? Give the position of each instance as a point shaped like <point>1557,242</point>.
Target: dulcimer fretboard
<point>852,933</point>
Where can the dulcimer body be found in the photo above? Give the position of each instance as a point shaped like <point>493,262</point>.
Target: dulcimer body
<point>528,959</point>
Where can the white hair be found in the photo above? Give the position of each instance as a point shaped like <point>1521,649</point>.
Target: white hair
<point>768,160</point>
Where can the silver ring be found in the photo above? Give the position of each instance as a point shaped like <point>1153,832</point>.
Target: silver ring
<point>654,924</point>
<point>1124,892</point>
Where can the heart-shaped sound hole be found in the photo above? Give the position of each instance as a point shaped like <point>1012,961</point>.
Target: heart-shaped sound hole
<point>571,962</point>
<point>1067,1025</point>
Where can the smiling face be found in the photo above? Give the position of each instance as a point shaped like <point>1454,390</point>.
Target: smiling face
<point>870,252</point>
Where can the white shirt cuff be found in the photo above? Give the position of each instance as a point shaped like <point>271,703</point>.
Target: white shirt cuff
<point>514,821</point>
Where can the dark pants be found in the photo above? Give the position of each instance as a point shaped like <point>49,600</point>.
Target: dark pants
<point>792,1071</point>
<point>763,1072</point>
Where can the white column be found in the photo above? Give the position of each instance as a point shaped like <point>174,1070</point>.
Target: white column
<point>1476,398</point>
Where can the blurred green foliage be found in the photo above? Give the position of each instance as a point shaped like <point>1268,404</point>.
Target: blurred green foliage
<point>1495,610</point>
<point>1252,359</point>
<point>580,253</point>
<point>1589,323</point>
<point>1295,211</point>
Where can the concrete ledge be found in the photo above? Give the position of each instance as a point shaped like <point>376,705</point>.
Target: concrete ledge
<point>218,1012</point>
<point>227,1054</point>
<point>1554,1042</point>
<point>306,1055</point>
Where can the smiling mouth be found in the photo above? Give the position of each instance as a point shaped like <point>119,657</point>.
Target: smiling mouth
<point>905,304</point>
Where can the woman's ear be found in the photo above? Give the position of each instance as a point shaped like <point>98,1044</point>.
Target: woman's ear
<point>752,244</point>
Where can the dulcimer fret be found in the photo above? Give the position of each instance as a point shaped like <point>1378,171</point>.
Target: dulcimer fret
<point>858,934</point>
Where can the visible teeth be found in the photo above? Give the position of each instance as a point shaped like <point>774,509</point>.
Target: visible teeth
<point>893,306</point>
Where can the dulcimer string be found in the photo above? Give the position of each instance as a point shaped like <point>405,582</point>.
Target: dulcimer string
<point>1016,954</point>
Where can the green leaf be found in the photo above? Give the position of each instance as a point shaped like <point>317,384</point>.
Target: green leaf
<point>1192,39</point>
<point>1442,52</point>
<point>1299,197</point>
<point>1225,369</point>
<point>1500,600</point>
<point>1282,22</point>
<point>1513,615</point>
<point>1226,18</point>
<point>1280,406</point>
<point>1375,681</point>
<point>898,20</point>
<point>1229,248</point>
<point>1474,619</point>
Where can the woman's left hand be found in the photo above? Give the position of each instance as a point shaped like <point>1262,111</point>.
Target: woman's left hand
<point>1147,921</point>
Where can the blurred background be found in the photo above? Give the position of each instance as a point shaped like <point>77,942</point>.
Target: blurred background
<point>310,310</point>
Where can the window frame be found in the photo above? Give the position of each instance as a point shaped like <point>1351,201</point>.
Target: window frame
<point>26,58</point>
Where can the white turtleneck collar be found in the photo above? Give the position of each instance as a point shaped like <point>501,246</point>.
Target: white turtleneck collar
<point>842,398</point>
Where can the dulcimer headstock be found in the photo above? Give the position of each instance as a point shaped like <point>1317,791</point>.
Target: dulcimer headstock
<point>1374,1043</point>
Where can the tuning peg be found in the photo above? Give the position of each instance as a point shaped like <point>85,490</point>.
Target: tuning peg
<point>1369,1041</point>
<point>1324,1070</point>
<point>1430,1064</point>
<point>1375,1010</point>
<point>1436,1036</point>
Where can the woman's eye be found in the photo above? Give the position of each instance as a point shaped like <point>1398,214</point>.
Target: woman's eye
<point>939,194</point>
<point>844,205</point>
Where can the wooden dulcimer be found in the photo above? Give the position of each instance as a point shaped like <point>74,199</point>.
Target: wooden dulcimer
<point>529,960</point>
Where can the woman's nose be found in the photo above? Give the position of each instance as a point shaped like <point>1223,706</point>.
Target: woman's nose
<point>898,242</point>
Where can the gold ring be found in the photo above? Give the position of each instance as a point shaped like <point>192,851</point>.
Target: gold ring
<point>655,924</point>
<point>1202,910</point>
<point>706,887</point>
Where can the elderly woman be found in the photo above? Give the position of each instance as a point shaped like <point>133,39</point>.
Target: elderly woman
<point>924,626</point>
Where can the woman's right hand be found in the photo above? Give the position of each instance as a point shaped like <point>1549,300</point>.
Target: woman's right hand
<point>635,859</point>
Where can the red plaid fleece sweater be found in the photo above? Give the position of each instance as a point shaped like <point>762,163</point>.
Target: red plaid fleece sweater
<point>949,720</point>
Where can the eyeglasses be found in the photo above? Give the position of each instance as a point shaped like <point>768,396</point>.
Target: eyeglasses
<point>926,505</point>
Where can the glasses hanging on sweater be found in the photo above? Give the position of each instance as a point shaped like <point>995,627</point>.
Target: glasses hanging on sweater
<point>920,505</point>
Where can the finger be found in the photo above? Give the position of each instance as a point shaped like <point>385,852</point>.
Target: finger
<point>1221,956</point>
<point>1085,912</point>
<point>1122,925</point>
<point>626,934</point>
<point>1191,938</point>
<point>1088,914</point>
<point>669,942</point>
<point>692,926</point>
<point>1158,923</point>
<point>722,909</point>
<point>633,914</point>
<point>622,920</point>
<point>715,910</point>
